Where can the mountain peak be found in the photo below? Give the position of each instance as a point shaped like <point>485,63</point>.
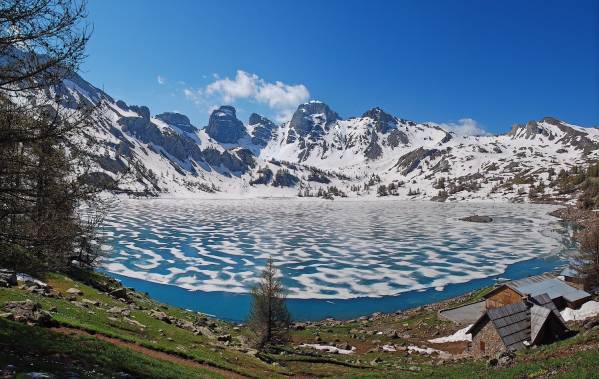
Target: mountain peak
<point>178,120</point>
<point>312,118</point>
<point>223,125</point>
<point>383,120</point>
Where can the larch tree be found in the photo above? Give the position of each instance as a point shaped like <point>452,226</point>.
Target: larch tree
<point>587,260</point>
<point>269,318</point>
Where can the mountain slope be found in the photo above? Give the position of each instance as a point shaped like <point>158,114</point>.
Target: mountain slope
<point>316,150</point>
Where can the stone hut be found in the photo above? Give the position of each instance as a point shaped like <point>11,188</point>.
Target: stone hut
<point>534,321</point>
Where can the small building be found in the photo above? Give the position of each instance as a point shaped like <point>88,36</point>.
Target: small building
<point>534,321</point>
<point>561,293</point>
<point>573,278</point>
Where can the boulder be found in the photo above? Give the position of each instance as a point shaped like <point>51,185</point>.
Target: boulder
<point>158,315</point>
<point>7,278</point>
<point>74,291</point>
<point>477,218</point>
<point>119,293</point>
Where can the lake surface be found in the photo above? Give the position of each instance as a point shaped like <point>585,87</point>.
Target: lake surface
<point>338,258</point>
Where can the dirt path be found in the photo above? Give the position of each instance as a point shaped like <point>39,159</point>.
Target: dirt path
<point>151,353</point>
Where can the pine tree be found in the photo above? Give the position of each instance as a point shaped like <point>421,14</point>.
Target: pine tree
<point>269,318</point>
<point>587,260</point>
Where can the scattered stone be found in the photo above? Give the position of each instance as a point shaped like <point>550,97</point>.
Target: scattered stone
<point>29,312</point>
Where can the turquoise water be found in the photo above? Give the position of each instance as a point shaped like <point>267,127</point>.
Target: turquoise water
<point>340,259</point>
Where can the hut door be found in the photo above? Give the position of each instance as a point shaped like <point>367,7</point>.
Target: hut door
<point>482,346</point>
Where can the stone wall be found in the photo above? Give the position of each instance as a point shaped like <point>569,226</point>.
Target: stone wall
<point>487,342</point>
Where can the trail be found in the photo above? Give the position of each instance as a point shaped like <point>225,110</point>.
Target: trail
<point>150,352</point>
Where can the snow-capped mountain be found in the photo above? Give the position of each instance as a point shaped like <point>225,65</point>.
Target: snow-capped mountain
<point>318,152</point>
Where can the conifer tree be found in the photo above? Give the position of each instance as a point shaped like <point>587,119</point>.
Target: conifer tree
<point>269,318</point>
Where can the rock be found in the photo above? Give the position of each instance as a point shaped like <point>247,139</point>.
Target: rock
<point>393,334</point>
<point>38,375</point>
<point>376,361</point>
<point>94,303</point>
<point>591,324</point>
<point>224,338</point>
<point>7,278</point>
<point>29,312</point>
<point>158,315</point>
<point>312,119</point>
<point>492,362</point>
<point>74,291</point>
<point>223,125</point>
<point>177,120</point>
<point>505,358</point>
<point>477,218</point>
<point>262,129</point>
<point>119,293</point>
<point>115,310</point>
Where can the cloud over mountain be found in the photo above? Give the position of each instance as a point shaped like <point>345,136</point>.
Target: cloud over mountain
<point>280,97</point>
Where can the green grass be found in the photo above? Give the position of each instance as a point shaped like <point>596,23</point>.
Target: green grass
<point>37,349</point>
<point>21,345</point>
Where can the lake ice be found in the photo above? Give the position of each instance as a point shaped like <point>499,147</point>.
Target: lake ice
<point>326,249</point>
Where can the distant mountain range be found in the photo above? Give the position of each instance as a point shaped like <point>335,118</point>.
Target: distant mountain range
<point>319,153</point>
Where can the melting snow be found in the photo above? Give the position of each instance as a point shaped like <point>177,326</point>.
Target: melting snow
<point>587,310</point>
<point>329,348</point>
<point>460,335</point>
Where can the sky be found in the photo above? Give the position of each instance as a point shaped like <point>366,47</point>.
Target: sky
<point>471,65</point>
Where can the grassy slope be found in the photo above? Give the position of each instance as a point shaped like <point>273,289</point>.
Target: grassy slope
<point>21,345</point>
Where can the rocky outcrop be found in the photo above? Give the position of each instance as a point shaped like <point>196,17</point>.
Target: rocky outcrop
<point>177,120</point>
<point>312,119</point>
<point>263,129</point>
<point>396,137</point>
<point>224,127</point>
<point>383,122</point>
<point>284,178</point>
<point>410,161</point>
<point>373,150</point>
<point>179,146</point>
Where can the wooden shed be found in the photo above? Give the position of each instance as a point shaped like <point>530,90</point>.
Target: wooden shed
<point>562,293</point>
<point>534,321</point>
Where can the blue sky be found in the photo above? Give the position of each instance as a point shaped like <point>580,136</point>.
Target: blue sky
<point>487,63</point>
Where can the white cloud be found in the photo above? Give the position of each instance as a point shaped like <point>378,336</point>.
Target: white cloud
<point>161,79</point>
<point>465,127</point>
<point>281,98</point>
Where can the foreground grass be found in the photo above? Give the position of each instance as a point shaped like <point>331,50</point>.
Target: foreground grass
<point>38,349</point>
<point>32,349</point>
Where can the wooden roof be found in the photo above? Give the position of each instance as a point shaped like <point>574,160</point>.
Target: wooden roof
<point>542,284</point>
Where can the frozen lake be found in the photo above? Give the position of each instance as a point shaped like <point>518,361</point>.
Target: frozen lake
<point>338,258</point>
